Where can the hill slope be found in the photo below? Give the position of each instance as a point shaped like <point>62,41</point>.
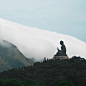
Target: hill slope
<point>11,57</point>
<point>52,72</point>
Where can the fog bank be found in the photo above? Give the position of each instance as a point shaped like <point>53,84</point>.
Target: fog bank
<point>33,42</point>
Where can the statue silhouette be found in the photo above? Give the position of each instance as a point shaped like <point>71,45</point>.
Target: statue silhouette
<point>61,52</point>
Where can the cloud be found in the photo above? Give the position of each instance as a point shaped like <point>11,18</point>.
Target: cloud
<point>37,43</point>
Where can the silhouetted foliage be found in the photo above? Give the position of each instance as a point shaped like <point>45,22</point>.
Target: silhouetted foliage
<point>51,72</point>
<point>17,82</point>
<point>65,83</point>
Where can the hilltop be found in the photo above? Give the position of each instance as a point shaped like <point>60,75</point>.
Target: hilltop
<point>51,72</point>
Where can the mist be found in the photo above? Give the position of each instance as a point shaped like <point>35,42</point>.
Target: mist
<point>37,43</point>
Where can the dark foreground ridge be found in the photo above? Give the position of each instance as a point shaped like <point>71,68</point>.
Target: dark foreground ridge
<point>51,72</point>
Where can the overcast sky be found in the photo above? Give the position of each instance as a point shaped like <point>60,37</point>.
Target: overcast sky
<point>61,16</point>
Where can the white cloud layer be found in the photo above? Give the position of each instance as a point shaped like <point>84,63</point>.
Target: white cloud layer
<point>33,42</point>
<point>61,16</point>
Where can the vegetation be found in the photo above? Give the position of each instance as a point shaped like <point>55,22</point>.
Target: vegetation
<point>17,82</point>
<point>65,83</point>
<point>51,72</point>
<point>29,82</point>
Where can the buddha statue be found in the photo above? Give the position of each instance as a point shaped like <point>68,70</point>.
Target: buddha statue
<point>61,52</point>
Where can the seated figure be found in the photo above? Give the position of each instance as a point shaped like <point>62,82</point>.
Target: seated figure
<point>61,52</point>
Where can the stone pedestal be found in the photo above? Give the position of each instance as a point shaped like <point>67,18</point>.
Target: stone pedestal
<point>61,57</point>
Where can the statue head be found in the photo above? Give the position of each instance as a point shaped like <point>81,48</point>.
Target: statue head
<point>61,42</point>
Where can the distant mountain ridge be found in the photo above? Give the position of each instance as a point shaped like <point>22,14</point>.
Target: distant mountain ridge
<point>11,57</point>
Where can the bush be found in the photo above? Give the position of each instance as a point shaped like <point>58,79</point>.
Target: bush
<point>2,82</point>
<point>29,82</point>
<point>65,83</point>
<point>13,82</point>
